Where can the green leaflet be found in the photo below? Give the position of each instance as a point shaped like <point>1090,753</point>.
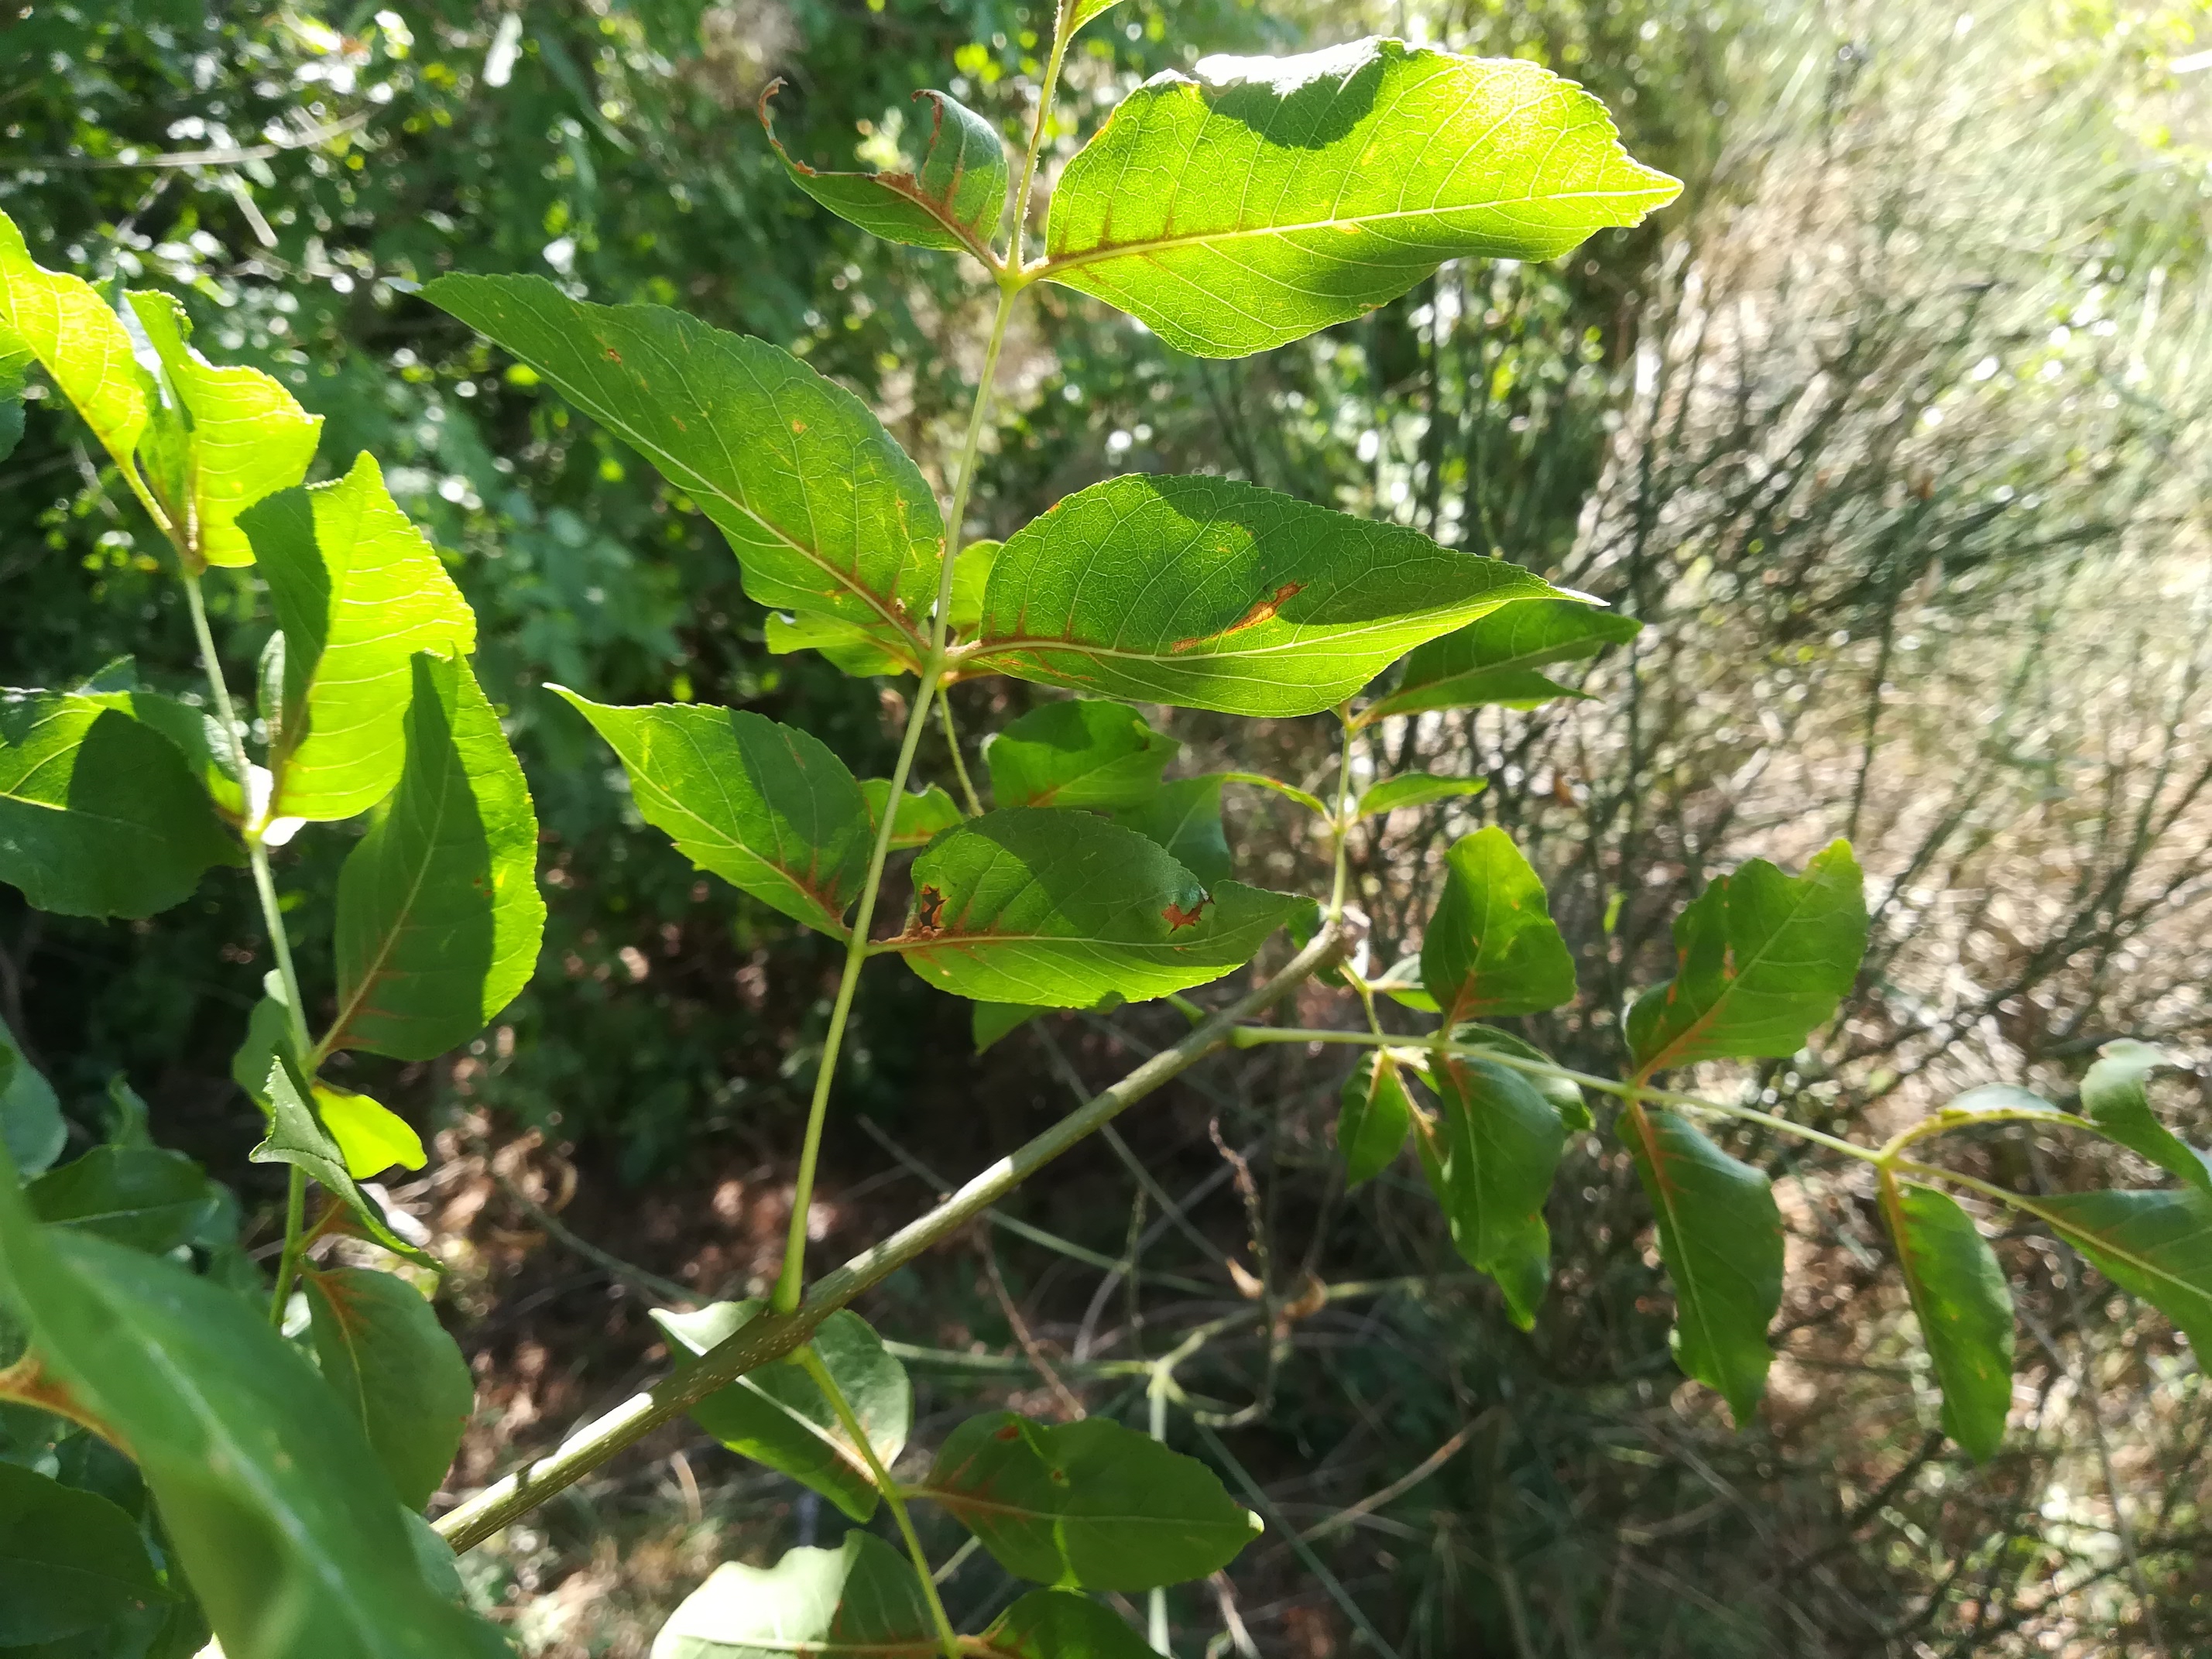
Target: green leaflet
<point>1271,197</point>
<point>1720,1236</point>
<point>1089,1504</point>
<point>1183,816</point>
<point>1087,9</point>
<point>1565,1093</point>
<point>971,577</point>
<point>1490,1160</point>
<point>954,200</point>
<point>1761,959</point>
<point>854,649</point>
<point>1964,1306</point>
<point>386,1356</point>
<point>1032,905</point>
<point>70,1560</point>
<point>1494,660</point>
<point>278,1513</point>
<point>248,439</point>
<point>991,1022</point>
<point>1373,1115</point>
<point>861,1599</point>
<point>825,511</point>
<point>1210,593</point>
<point>79,343</point>
<point>15,365</point>
<point>1059,1624</point>
<point>921,812</point>
<point>767,808</point>
<point>357,591</point>
<point>2157,1245</point>
<point>296,1136</point>
<point>31,1125</point>
<point>372,1136</point>
<point>99,813</point>
<point>2113,1097</point>
<point>141,1196</point>
<point>775,1415</point>
<point>438,914</point>
<point>1492,947</point>
<point>1081,752</point>
<point>1414,789</point>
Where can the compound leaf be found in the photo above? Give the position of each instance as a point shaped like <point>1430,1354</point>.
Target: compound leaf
<point>1373,1115</point>
<point>859,1601</point>
<point>1033,905</point>
<point>248,439</point>
<point>70,1560</point>
<point>99,813</point>
<point>1492,947</point>
<point>775,1415</point>
<point>1079,752</point>
<point>1761,959</point>
<point>82,344</point>
<point>767,808</point>
<point>1720,1236</point>
<point>278,1511</point>
<point>1210,593</point>
<point>1414,789</point>
<point>439,914</point>
<point>1050,1624</point>
<point>1494,660</point>
<point>1964,1305</point>
<point>1266,198</point>
<point>1088,1504</point>
<point>825,511</point>
<point>2114,1098</point>
<point>383,1351</point>
<point>2156,1244</point>
<point>142,1196</point>
<point>1490,1159</point>
<point>297,1137</point>
<point>357,591</point>
<point>953,200</point>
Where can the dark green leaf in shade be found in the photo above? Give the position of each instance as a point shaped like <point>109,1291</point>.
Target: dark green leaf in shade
<point>1761,958</point>
<point>296,1136</point>
<point>248,439</point>
<point>1964,1306</point>
<point>1058,908</point>
<point>1494,661</point>
<point>358,591</point>
<point>921,812</point>
<point>439,915</point>
<point>1183,815</point>
<point>1492,947</point>
<point>70,1561</point>
<point>1373,1115</point>
<point>100,814</point>
<point>1565,1094</point>
<point>2157,1245</point>
<point>767,808</point>
<point>859,1602</point>
<point>31,1125</point>
<point>1210,593</point>
<point>385,1354</point>
<point>1491,1158</point>
<point>15,366</point>
<point>825,511</point>
<point>279,1514</point>
<point>1079,752</point>
<point>953,200</point>
<point>1271,197</point>
<point>1720,1236</point>
<point>1414,789</point>
<point>1088,1504</point>
<point>1052,1623</point>
<point>777,1415</point>
<point>141,1196</point>
<point>2114,1098</point>
<point>991,1022</point>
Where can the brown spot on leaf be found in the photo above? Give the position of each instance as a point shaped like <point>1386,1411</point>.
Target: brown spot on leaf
<point>1178,917</point>
<point>1260,612</point>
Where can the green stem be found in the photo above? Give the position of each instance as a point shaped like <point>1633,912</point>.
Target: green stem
<point>959,762</point>
<point>1342,821</point>
<point>947,1636</point>
<point>287,1264</point>
<point>272,914</point>
<point>226,713</point>
<point>1062,31</point>
<point>1156,1613</point>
